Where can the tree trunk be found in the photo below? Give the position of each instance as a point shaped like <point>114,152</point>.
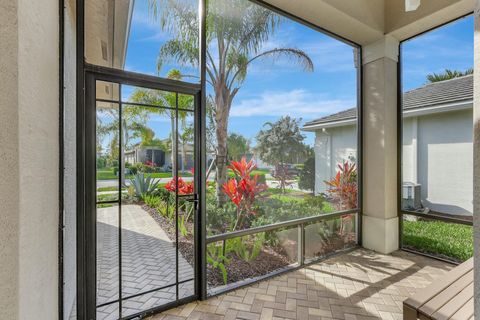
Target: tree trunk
<point>222,102</point>
<point>173,143</point>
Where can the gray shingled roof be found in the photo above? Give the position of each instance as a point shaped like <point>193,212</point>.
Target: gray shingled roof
<point>438,93</point>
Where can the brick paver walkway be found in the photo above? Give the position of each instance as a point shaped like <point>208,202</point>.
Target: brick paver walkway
<point>357,285</point>
<point>148,262</point>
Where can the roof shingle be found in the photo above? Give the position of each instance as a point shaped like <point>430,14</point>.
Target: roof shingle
<point>432,94</point>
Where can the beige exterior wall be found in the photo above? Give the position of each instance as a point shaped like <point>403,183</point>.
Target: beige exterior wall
<point>380,221</point>
<point>70,194</point>
<point>29,157</point>
<point>332,147</point>
<point>9,166</point>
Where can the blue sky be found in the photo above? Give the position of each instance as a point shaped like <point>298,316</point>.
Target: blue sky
<point>276,88</point>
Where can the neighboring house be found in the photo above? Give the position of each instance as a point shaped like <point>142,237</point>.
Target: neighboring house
<point>161,158</point>
<point>259,163</point>
<point>437,144</point>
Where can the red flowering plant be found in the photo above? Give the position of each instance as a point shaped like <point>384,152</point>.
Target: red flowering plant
<point>243,189</point>
<point>344,192</point>
<point>183,187</point>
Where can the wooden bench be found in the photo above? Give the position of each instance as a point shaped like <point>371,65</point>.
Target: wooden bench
<point>448,297</point>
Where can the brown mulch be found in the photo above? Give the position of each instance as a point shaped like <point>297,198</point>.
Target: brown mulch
<point>238,269</point>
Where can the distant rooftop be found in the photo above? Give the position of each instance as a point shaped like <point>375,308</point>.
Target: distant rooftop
<point>433,94</point>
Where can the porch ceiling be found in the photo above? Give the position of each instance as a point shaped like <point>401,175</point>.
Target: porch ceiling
<point>365,21</point>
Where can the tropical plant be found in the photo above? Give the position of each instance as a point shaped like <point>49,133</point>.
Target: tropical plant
<point>245,251</point>
<point>306,177</point>
<point>447,75</point>
<point>144,185</point>
<point>243,189</point>
<point>179,184</point>
<point>217,259</point>
<point>152,201</point>
<point>343,188</point>
<point>236,31</point>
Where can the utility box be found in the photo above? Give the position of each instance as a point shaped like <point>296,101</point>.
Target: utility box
<point>411,196</point>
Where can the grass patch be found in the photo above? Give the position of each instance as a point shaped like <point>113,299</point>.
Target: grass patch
<point>446,239</point>
<point>107,174</point>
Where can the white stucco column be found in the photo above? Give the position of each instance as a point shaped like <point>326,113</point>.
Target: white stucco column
<point>29,159</point>
<point>380,220</point>
<point>476,157</point>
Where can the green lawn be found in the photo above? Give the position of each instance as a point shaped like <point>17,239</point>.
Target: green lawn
<point>436,237</point>
<point>107,174</point>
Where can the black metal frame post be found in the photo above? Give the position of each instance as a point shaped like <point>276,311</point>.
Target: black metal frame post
<point>201,120</point>
<point>94,74</point>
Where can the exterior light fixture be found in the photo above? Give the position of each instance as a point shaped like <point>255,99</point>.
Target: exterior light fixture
<point>412,5</point>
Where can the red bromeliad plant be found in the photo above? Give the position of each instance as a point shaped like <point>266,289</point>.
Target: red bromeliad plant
<point>183,187</point>
<point>344,191</point>
<point>243,189</point>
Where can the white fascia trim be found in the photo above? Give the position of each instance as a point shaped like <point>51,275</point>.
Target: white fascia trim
<point>127,32</point>
<point>339,123</point>
<point>456,106</point>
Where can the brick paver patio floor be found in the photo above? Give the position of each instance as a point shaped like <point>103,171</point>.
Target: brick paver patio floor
<point>357,285</point>
<point>148,262</point>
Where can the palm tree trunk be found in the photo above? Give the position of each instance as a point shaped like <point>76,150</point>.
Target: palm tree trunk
<point>173,149</point>
<point>221,130</point>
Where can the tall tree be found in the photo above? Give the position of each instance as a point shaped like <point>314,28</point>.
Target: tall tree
<point>186,137</point>
<point>447,75</point>
<point>236,32</point>
<point>166,103</point>
<point>238,146</point>
<point>280,141</point>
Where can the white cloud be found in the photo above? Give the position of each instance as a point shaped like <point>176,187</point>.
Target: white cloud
<point>296,103</point>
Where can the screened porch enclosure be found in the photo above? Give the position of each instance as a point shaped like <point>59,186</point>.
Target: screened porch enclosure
<point>227,145</point>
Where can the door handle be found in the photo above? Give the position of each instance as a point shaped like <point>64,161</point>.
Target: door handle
<point>195,200</point>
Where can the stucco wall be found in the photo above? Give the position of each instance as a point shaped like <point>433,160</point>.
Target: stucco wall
<point>332,147</point>
<point>9,166</point>
<point>437,153</point>
<point>38,135</point>
<point>70,194</point>
<point>29,159</point>
<point>445,161</point>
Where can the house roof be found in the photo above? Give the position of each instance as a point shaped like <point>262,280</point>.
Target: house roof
<point>448,92</point>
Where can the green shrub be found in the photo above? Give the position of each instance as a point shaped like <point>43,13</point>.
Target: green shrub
<point>306,177</point>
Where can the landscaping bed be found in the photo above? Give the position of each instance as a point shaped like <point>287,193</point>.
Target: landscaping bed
<point>268,260</point>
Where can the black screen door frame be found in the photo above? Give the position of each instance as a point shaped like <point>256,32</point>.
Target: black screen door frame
<point>86,273</point>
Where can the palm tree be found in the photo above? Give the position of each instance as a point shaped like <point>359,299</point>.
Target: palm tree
<point>447,75</point>
<point>166,101</point>
<point>236,32</point>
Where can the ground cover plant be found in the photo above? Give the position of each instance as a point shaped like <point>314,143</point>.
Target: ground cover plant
<point>447,240</point>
